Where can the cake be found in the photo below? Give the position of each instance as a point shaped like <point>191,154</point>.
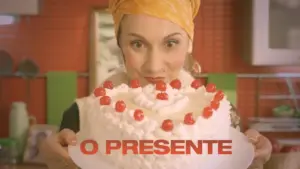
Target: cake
<point>168,111</point>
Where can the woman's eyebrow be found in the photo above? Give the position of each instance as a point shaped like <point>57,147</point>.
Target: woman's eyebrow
<point>141,37</point>
<point>172,34</point>
<point>137,35</point>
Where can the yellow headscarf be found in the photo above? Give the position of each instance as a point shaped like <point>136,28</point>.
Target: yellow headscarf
<point>180,12</point>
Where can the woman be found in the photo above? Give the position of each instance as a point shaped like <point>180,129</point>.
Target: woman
<point>155,38</point>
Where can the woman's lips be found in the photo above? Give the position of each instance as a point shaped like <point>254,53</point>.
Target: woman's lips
<point>154,79</point>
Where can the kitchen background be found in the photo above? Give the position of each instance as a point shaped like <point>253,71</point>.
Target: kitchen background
<point>57,40</point>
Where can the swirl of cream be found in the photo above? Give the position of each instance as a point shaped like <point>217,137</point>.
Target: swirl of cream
<point>161,134</point>
<point>123,88</point>
<point>147,99</point>
<point>181,131</point>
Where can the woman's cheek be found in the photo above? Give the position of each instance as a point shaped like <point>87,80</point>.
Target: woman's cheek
<point>133,61</point>
<point>132,65</point>
<point>174,66</point>
<point>177,63</point>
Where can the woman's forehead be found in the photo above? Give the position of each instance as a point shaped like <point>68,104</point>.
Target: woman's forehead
<point>149,26</point>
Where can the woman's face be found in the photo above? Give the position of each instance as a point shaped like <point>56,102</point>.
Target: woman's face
<point>154,49</point>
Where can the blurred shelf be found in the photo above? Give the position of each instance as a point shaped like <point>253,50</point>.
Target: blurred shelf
<point>268,75</point>
<point>279,97</point>
<point>271,129</point>
<point>274,120</point>
<point>275,124</point>
<point>262,126</point>
<point>289,141</point>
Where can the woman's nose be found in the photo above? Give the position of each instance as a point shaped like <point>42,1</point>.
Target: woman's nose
<point>154,63</point>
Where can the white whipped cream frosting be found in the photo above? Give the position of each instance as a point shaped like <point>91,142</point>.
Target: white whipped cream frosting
<point>176,101</point>
<point>104,123</point>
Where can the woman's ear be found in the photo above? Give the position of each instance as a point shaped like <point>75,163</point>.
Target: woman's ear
<point>188,62</point>
<point>191,65</point>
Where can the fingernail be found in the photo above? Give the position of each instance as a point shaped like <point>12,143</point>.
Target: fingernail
<point>251,139</point>
<point>73,142</point>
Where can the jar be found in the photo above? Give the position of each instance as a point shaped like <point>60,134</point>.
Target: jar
<point>8,152</point>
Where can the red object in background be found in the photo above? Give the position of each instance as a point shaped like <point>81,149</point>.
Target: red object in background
<point>276,147</point>
<point>290,148</point>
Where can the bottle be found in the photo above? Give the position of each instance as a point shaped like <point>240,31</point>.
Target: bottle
<point>19,125</point>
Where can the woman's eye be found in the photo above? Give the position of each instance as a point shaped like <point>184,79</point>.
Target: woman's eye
<point>137,44</point>
<point>171,43</point>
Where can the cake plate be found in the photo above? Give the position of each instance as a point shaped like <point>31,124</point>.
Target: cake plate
<point>241,158</point>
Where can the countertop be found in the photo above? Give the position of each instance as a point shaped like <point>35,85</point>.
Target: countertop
<point>24,166</point>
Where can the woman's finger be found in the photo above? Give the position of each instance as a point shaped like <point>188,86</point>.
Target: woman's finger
<point>264,148</point>
<point>56,147</point>
<point>67,137</point>
<point>54,153</point>
<point>51,149</point>
<point>253,136</point>
<point>261,144</point>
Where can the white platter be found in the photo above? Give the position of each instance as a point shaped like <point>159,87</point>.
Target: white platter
<point>241,158</point>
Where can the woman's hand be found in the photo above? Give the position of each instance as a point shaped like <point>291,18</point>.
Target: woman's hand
<point>54,150</point>
<point>263,148</point>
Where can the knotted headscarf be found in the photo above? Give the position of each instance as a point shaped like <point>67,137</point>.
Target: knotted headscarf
<point>180,12</point>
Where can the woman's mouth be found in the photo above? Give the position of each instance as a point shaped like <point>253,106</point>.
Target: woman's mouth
<point>154,79</point>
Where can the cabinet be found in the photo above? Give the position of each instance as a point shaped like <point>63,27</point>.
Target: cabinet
<point>20,7</point>
<point>271,32</point>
